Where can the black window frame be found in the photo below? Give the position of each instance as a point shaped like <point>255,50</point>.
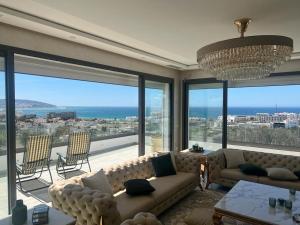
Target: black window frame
<point>9,52</point>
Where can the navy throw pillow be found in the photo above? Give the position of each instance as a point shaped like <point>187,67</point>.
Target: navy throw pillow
<point>163,165</point>
<point>251,169</point>
<point>136,187</point>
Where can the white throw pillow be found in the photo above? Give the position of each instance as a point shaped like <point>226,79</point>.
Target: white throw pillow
<point>281,174</point>
<point>234,158</point>
<point>98,181</point>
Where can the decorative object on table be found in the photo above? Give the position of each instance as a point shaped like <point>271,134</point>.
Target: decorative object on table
<point>292,191</point>
<point>288,204</point>
<point>272,202</point>
<point>40,215</point>
<point>19,213</point>
<point>197,148</point>
<point>281,201</point>
<point>245,58</point>
<point>296,217</point>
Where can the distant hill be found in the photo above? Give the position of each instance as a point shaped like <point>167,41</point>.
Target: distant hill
<point>22,103</point>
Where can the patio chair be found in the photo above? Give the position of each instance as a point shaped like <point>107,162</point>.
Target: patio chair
<point>77,153</point>
<point>36,159</point>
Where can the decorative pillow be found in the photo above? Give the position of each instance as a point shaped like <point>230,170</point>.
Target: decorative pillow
<point>138,187</point>
<point>281,174</point>
<point>234,158</point>
<point>98,181</point>
<point>172,154</point>
<point>297,173</point>
<point>163,165</point>
<point>251,169</point>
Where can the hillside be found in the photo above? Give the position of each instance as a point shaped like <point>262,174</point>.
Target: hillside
<point>23,103</point>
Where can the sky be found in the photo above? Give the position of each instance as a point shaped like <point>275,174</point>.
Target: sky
<point>65,92</point>
<point>282,96</point>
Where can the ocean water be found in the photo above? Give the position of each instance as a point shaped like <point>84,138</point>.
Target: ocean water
<point>123,112</point>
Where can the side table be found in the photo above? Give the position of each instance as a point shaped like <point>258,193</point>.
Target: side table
<point>55,218</point>
<point>204,167</point>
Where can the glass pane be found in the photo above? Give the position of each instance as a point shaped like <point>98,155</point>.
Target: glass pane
<point>157,117</point>
<point>205,115</point>
<point>3,146</point>
<point>49,101</point>
<point>264,118</point>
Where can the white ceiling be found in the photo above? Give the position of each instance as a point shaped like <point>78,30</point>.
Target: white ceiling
<point>170,29</point>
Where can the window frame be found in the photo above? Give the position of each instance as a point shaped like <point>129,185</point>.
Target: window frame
<point>9,53</point>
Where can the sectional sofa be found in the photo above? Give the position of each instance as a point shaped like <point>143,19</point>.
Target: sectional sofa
<point>88,206</point>
<point>218,173</point>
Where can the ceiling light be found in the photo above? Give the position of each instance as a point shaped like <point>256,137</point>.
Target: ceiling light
<point>245,58</point>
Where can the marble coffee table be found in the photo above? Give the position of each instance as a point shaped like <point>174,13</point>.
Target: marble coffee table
<point>249,202</point>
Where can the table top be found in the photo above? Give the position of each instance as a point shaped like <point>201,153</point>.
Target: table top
<point>206,152</point>
<point>251,201</point>
<point>55,218</point>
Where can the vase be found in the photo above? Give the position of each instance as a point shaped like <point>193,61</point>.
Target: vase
<point>19,213</point>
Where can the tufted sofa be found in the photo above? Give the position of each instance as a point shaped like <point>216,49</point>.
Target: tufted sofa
<point>218,173</point>
<point>88,206</point>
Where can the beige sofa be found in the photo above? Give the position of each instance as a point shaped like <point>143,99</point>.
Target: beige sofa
<point>218,173</point>
<point>88,206</point>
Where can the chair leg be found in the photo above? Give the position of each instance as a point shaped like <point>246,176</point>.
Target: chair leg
<point>50,174</point>
<point>64,172</point>
<point>20,182</point>
<point>88,162</point>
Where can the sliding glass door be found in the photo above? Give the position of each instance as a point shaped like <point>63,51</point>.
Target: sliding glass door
<point>157,117</point>
<point>205,110</point>
<point>3,144</point>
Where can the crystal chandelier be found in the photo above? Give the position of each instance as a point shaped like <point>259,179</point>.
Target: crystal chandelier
<point>245,58</point>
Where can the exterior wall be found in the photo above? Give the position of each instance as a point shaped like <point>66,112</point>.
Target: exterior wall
<point>22,38</point>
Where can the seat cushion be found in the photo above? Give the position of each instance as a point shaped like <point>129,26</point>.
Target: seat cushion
<point>169,185</point>
<point>280,183</point>
<point>128,205</point>
<point>236,174</point>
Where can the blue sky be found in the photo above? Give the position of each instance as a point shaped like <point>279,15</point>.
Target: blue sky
<point>64,92</point>
<point>282,96</point>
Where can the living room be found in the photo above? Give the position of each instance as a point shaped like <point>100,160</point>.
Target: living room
<point>194,101</point>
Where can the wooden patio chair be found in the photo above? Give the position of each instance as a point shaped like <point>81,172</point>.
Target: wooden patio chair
<point>36,159</point>
<point>77,153</point>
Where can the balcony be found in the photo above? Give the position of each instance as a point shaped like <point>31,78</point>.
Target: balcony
<point>104,154</point>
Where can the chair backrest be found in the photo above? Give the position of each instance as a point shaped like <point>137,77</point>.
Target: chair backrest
<point>78,146</point>
<point>37,151</point>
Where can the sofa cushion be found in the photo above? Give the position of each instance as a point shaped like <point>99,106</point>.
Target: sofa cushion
<point>281,174</point>
<point>138,187</point>
<point>280,183</point>
<point>236,174</point>
<point>251,169</point>
<point>163,165</point>
<point>297,173</point>
<point>169,185</point>
<point>97,181</point>
<point>128,205</point>
<point>234,158</point>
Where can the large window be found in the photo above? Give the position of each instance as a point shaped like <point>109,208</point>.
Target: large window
<point>205,109</point>
<point>266,117</point>
<point>3,145</point>
<point>157,116</point>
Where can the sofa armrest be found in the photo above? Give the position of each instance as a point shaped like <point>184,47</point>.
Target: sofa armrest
<point>188,162</point>
<point>216,163</point>
<point>84,204</point>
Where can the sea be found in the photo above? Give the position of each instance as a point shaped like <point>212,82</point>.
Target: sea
<point>123,112</point>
